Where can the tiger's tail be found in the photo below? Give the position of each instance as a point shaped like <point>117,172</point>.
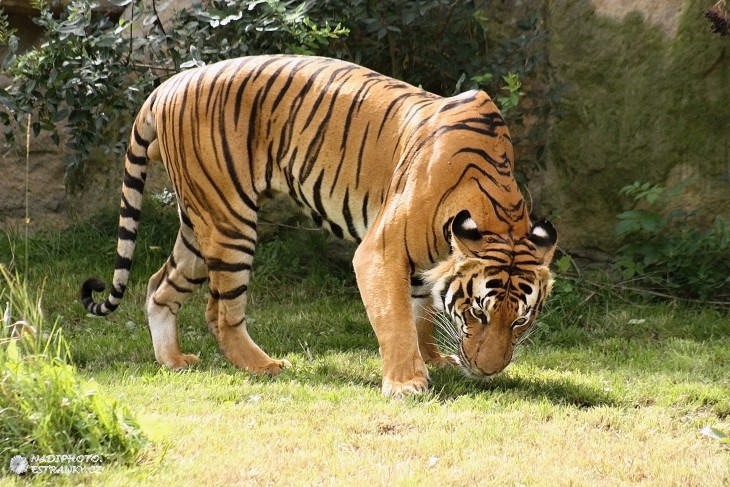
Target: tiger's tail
<point>142,144</point>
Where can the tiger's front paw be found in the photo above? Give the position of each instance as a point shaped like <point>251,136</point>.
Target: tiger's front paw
<point>401,389</point>
<point>444,361</point>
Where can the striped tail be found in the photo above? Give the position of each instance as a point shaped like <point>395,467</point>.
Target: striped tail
<point>144,134</point>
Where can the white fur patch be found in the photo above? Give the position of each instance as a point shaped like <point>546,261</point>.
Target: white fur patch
<point>539,232</point>
<point>469,224</point>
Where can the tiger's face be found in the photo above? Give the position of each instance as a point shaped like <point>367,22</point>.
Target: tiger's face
<point>490,292</point>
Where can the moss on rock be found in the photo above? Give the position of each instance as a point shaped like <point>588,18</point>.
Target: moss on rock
<point>637,104</point>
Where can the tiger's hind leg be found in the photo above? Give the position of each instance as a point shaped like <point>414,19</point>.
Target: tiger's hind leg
<point>168,288</point>
<point>229,256</point>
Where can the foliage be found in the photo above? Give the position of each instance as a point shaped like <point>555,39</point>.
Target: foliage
<point>228,29</point>
<point>46,408</point>
<point>92,73</point>
<point>666,249</point>
<point>80,77</point>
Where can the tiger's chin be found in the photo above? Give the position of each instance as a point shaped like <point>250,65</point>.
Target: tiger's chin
<point>473,371</point>
<point>478,374</point>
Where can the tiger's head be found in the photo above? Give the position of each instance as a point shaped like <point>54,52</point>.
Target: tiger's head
<point>490,291</point>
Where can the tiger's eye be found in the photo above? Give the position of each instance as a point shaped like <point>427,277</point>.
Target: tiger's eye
<point>519,322</point>
<point>480,315</point>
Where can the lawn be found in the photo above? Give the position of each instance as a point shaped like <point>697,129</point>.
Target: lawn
<point>606,392</point>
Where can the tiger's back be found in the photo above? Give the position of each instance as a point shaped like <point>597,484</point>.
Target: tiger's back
<point>370,158</point>
<point>314,128</point>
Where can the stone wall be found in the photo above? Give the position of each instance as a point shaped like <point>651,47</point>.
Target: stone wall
<point>645,97</point>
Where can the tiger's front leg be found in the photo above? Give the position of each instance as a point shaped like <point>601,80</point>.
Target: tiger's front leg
<point>425,317</point>
<point>384,284</point>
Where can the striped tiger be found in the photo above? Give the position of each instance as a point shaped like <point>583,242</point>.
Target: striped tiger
<point>424,184</point>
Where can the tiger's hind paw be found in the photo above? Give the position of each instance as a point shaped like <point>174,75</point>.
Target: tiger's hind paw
<point>273,368</point>
<point>180,361</point>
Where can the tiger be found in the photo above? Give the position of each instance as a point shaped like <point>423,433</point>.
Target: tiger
<point>423,184</point>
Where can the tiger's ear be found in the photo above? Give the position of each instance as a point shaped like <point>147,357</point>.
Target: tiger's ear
<point>465,236</point>
<point>545,238</point>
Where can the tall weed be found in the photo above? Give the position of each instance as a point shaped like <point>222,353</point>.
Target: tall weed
<point>46,408</point>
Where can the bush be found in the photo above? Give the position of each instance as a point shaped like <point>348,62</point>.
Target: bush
<point>47,409</point>
<point>665,250</point>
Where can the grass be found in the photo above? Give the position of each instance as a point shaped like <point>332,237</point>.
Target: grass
<point>606,393</point>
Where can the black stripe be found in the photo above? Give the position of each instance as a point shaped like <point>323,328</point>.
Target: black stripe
<point>185,218</point>
<point>284,89</point>
<point>197,281</point>
<point>336,230</point>
<point>212,85</point>
<point>133,182</point>
<point>192,248</point>
<point>360,154</point>
<point>365,210</point>
<point>269,173</point>
<point>235,235</point>
<point>239,247</point>
<point>238,100</point>
<point>317,195</point>
<point>118,293</point>
<point>232,294</point>
<point>391,107</point>
<point>138,139</point>
<point>136,160</point>
<point>456,102</point>
<point>312,153</point>
<point>218,265</point>
<point>122,262</point>
<point>180,289</point>
<point>348,216</point>
<point>230,165</point>
<point>125,234</point>
<point>445,289</point>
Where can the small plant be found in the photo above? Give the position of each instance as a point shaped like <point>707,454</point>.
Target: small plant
<point>512,85</point>
<point>46,408</point>
<point>667,252</point>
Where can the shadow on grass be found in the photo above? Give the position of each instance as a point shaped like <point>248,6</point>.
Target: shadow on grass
<point>448,384</point>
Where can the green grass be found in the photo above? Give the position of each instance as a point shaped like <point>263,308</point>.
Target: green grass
<point>605,393</point>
